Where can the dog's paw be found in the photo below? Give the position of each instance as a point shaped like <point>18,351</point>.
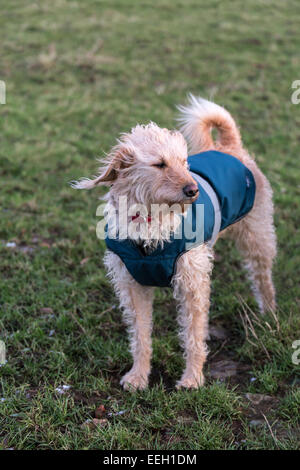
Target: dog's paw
<point>190,382</point>
<point>133,381</point>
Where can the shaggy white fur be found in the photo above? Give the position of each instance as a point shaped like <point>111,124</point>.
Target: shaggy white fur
<point>149,166</point>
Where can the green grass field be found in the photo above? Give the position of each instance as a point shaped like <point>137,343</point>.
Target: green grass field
<point>77,74</point>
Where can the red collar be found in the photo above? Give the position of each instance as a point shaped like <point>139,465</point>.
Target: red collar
<point>137,215</point>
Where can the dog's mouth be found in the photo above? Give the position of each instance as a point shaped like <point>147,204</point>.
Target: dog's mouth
<point>176,202</point>
<point>190,200</point>
<point>187,201</point>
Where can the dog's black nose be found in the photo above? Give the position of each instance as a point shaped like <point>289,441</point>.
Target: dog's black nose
<point>190,190</point>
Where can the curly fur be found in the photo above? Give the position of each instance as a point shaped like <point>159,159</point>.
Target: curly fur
<point>131,170</point>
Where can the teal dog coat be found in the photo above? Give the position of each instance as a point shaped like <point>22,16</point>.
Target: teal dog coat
<point>226,195</point>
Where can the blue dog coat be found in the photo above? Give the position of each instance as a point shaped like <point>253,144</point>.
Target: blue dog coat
<point>226,193</point>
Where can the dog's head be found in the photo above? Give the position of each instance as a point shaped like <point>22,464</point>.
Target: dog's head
<point>148,166</point>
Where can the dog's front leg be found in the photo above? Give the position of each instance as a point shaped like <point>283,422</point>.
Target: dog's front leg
<point>192,291</point>
<point>136,303</point>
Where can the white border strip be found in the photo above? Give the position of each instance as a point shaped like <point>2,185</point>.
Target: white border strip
<point>216,205</point>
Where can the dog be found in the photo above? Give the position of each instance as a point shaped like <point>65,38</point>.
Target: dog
<point>149,166</point>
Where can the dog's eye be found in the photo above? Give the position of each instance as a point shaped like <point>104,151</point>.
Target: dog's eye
<point>160,165</point>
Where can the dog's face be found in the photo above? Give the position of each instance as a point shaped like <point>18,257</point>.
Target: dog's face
<point>149,166</point>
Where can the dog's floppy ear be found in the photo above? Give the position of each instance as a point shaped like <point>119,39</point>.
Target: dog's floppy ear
<point>120,157</point>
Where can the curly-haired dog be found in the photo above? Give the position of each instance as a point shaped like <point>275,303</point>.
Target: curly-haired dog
<point>149,166</point>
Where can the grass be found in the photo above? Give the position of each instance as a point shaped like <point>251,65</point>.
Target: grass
<point>78,74</point>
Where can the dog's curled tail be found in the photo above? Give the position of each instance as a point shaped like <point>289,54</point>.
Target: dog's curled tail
<point>197,120</point>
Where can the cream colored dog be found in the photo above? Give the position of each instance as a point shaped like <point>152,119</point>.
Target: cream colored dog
<point>149,165</point>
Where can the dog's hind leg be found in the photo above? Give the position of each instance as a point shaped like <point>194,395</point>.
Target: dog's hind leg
<point>136,303</point>
<point>192,291</point>
<point>256,240</point>
<point>258,251</point>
